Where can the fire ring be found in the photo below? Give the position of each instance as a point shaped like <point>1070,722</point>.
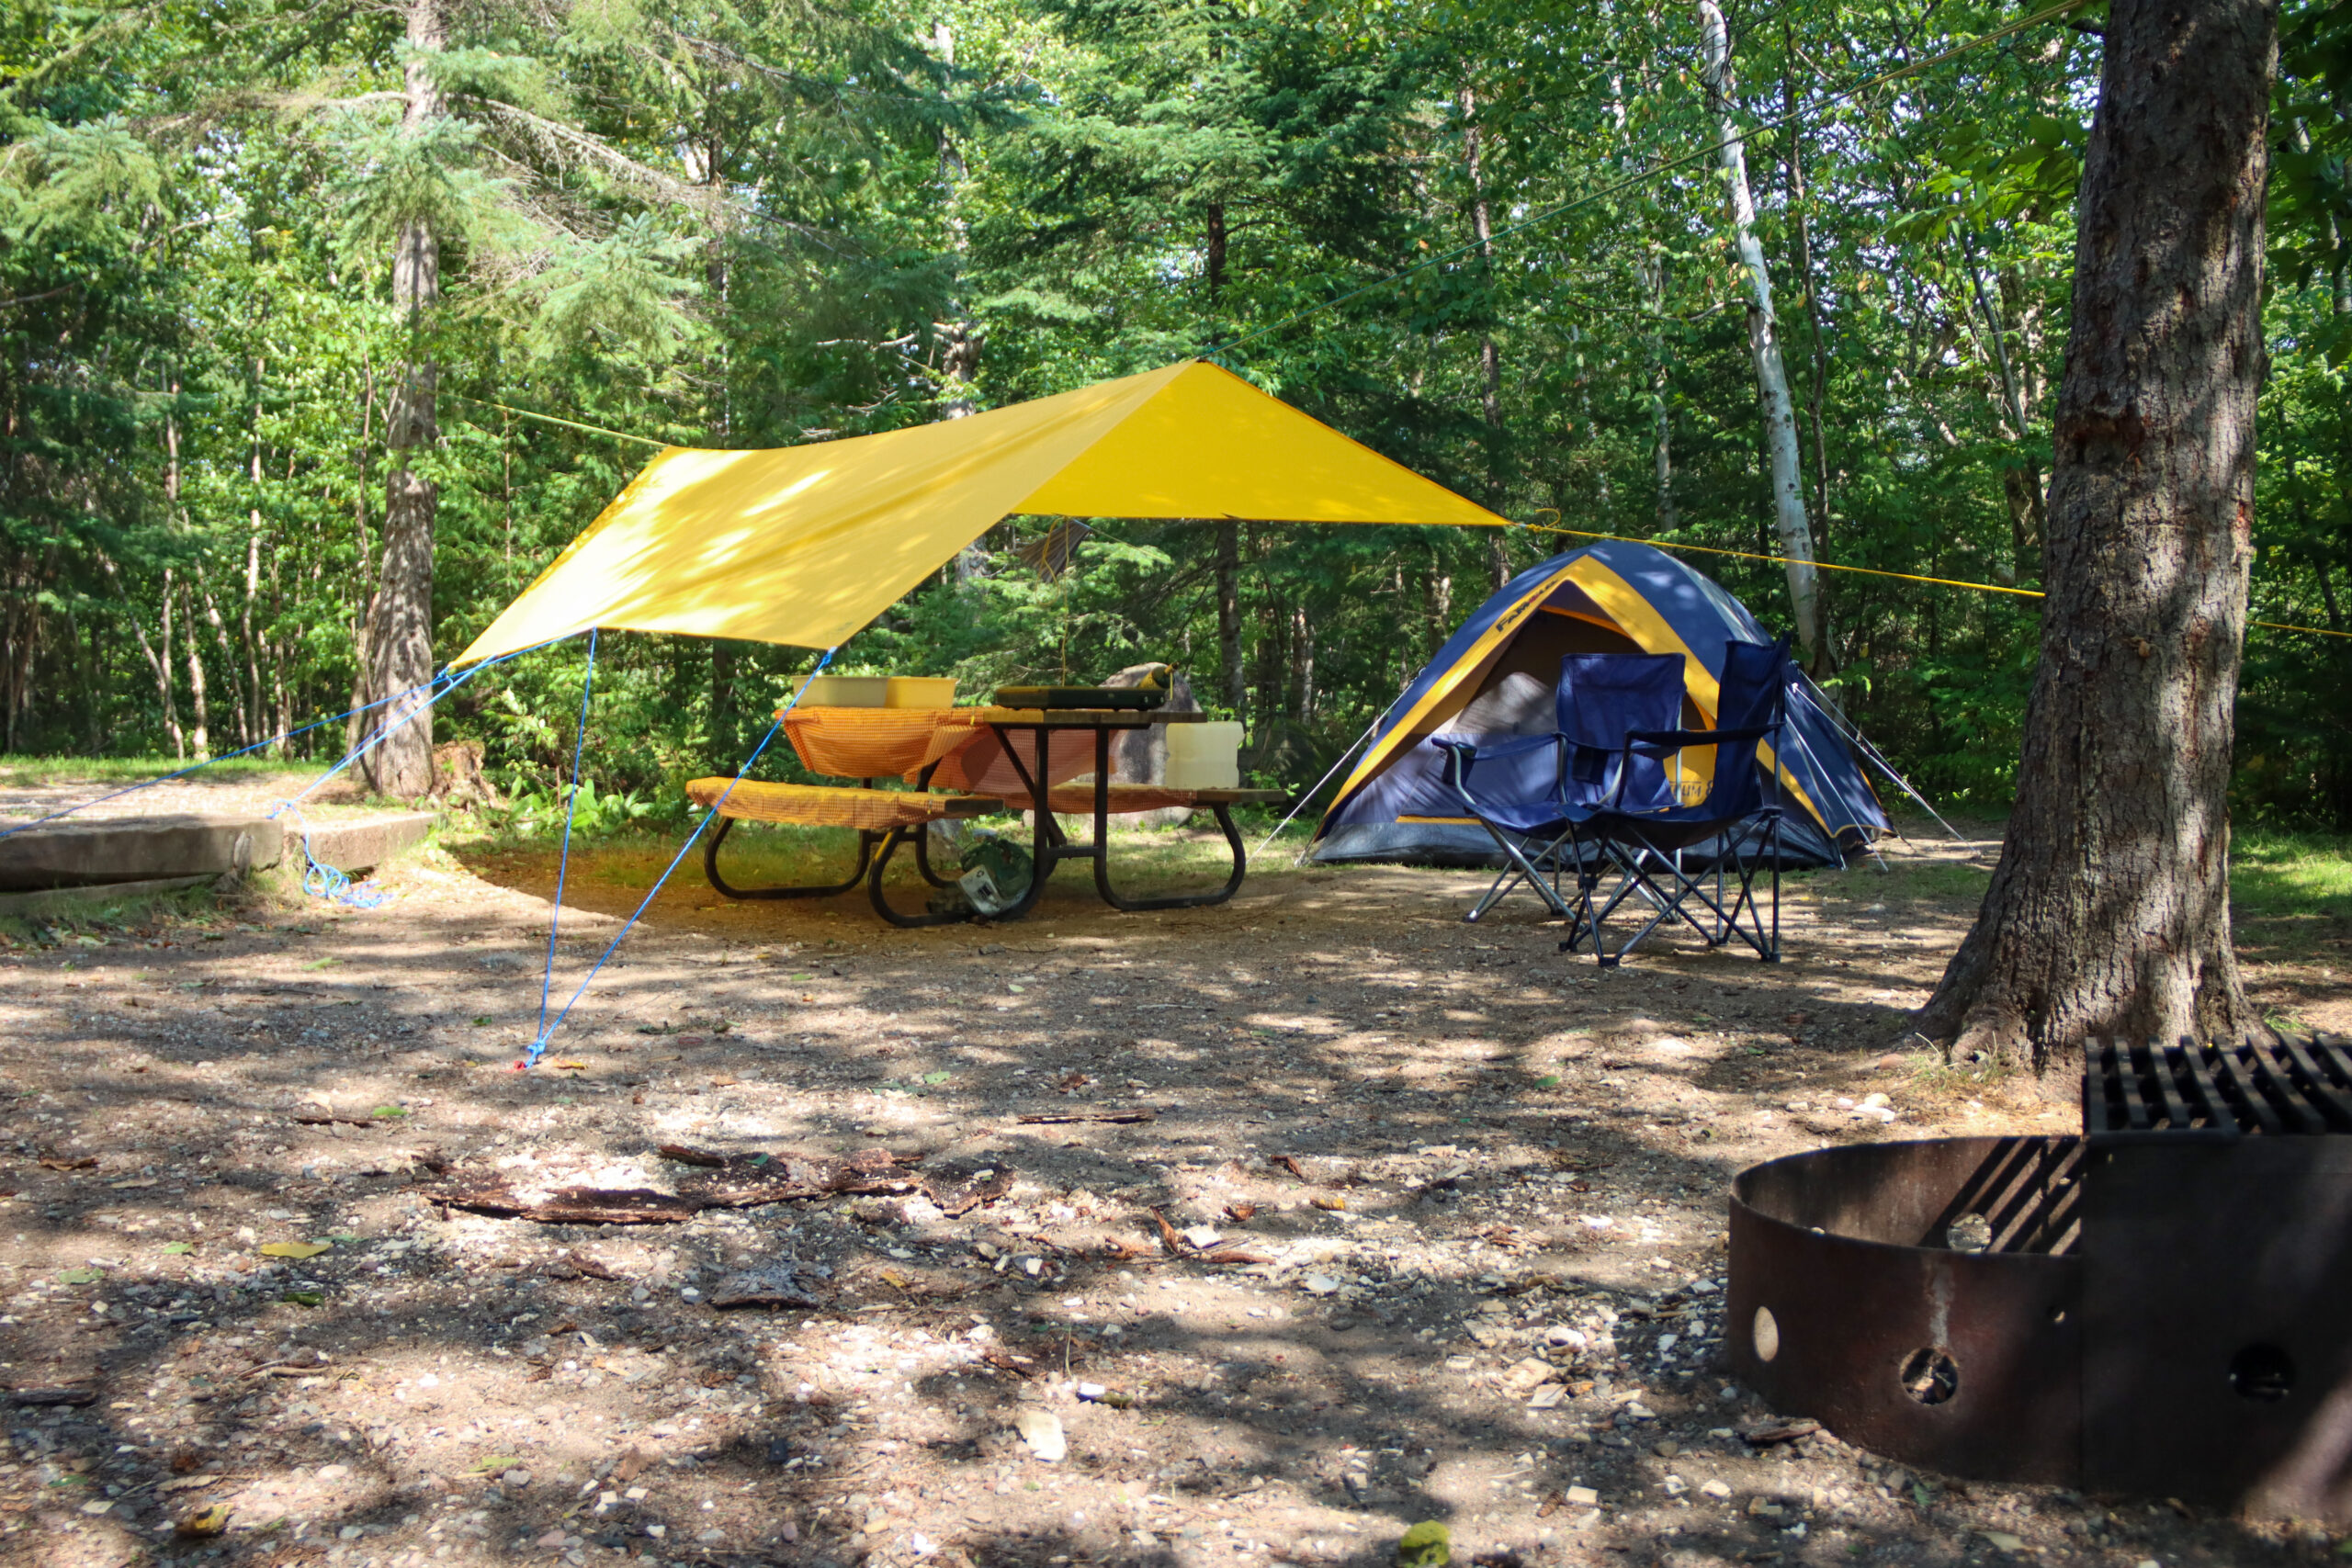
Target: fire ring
<point>2158,1306</point>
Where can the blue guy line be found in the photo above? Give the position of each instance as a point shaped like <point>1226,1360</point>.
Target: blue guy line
<point>572,805</point>
<point>320,880</point>
<point>547,1032</point>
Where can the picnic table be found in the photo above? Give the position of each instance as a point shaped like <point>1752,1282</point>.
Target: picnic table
<point>965,762</point>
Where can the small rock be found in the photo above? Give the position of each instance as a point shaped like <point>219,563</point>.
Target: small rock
<point>690,1295</point>
<point>1319,1285</point>
<point>1763,1508</point>
<point>1042,1430</point>
<point>516,1480</point>
<point>1636,1411</point>
<point>349,1532</point>
<point>1666,1449</point>
<point>1562,1335</point>
<point>553,1538</point>
<point>1547,1397</point>
<point>1719,1490</point>
<point>1674,1485</point>
<point>1092,1390</point>
<point>98,1505</point>
<point>711,1537</point>
<point>1525,1375</point>
<point>1582,1497</point>
<point>2002,1540</point>
<point>1359,1485</point>
<point>1202,1235</point>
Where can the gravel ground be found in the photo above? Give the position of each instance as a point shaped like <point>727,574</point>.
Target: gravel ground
<point>1420,1221</point>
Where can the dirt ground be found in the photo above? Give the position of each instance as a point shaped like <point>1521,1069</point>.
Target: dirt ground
<point>1407,1220</point>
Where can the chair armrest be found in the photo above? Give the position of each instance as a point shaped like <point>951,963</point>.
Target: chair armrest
<point>1461,755</point>
<point>1665,742</point>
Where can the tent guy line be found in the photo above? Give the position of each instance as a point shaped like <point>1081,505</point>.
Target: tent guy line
<point>547,1030</point>
<point>1861,570</point>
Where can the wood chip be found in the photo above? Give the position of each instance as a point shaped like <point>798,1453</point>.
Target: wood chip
<point>1773,1432</point>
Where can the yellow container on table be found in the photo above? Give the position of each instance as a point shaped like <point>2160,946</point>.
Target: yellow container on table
<point>921,691</point>
<point>847,692</point>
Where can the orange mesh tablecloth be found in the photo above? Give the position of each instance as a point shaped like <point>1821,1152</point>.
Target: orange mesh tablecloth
<point>871,743</point>
<point>981,765</point>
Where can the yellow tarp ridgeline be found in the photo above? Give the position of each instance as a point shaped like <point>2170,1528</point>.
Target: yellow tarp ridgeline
<point>805,545</point>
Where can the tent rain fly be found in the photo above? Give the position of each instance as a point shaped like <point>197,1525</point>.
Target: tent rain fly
<point>805,545</point>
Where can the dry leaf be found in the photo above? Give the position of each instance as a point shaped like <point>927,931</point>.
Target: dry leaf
<point>294,1248</point>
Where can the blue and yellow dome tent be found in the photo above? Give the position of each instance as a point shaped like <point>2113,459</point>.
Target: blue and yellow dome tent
<point>1495,677</point>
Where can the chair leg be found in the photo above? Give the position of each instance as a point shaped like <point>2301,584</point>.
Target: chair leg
<point>1519,867</point>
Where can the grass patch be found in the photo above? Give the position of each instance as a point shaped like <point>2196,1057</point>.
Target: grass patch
<point>20,771</point>
<point>2292,877</point>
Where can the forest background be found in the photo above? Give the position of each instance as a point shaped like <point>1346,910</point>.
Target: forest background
<point>275,275</point>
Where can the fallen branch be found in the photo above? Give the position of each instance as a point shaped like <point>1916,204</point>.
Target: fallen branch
<point>741,1182</point>
<point>1058,1118</point>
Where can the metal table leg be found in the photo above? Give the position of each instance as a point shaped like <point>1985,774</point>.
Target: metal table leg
<point>865,842</point>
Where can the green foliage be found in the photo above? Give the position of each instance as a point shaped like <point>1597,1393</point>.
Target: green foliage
<point>1425,1545</point>
<point>758,224</point>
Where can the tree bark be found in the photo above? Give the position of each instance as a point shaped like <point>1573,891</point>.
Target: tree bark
<point>399,636</point>
<point>2108,913</point>
<point>1794,534</point>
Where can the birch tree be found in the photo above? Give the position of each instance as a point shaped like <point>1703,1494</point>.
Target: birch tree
<point>1790,526</point>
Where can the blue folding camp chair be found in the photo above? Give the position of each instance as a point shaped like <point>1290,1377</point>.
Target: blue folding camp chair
<point>1667,855</point>
<point>1524,790</point>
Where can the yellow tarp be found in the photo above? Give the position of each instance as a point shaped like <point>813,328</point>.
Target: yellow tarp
<point>805,545</point>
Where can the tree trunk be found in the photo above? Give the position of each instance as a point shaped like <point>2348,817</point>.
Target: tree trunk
<point>203,590</point>
<point>1800,223</point>
<point>2108,914</point>
<point>1490,363</point>
<point>250,698</point>
<point>1228,618</point>
<point>400,637</point>
<point>1764,343</point>
<point>959,335</point>
<point>1653,267</point>
<point>201,737</point>
<point>158,664</point>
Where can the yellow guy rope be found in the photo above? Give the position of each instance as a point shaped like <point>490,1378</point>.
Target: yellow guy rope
<point>1866,570</point>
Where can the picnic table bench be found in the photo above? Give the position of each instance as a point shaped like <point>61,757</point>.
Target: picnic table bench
<point>885,819</point>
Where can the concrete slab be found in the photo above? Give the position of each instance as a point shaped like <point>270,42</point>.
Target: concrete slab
<point>364,844</point>
<point>136,849</point>
<point>67,900</point>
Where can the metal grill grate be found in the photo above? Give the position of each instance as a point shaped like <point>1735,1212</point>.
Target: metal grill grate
<point>2298,1085</point>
